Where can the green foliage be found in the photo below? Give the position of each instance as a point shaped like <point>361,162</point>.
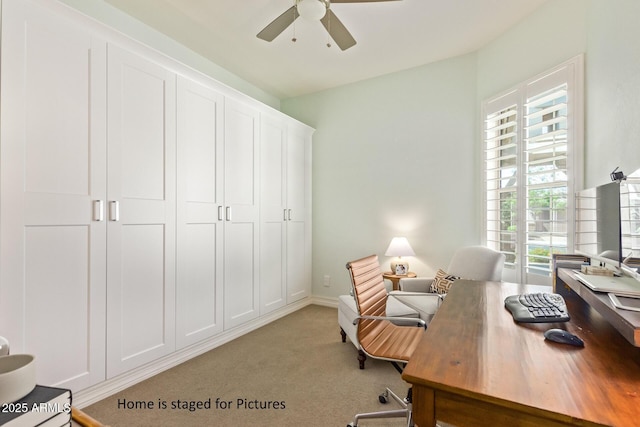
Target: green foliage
<point>541,252</point>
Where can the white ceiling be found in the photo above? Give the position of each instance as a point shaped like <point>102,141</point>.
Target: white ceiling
<point>390,35</point>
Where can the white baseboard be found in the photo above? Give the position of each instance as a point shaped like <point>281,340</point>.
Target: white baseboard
<point>111,386</point>
<point>325,301</point>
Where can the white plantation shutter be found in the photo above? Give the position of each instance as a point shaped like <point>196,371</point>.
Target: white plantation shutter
<point>501,160</point>
<point>532,157</point>
<point>545,161</point>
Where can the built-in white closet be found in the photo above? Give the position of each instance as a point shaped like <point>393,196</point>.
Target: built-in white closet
<point>241,213</point>
<point>147,212</point>
<point>53,195</point>
<point>285,213</point>
<point>139,210</point>
<point>199,293</point>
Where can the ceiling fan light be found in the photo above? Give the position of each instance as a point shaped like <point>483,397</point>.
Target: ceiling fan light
<point>313,10</point>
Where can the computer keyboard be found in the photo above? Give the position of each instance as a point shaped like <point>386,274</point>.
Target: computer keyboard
<point>537,308</point>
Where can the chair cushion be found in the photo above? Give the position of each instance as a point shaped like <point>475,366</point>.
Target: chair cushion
<point>425,304</point>
<point>415,284</point>
<point>397,309</point>
<point>442,282</point>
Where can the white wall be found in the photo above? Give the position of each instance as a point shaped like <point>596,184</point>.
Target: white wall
<point>613,89</point>
<point>393,156</point>
<point>607,32</point>
<point>551,35</point>
<point>362,126</point>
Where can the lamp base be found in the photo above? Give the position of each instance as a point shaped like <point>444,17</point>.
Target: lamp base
<point>399,267</point>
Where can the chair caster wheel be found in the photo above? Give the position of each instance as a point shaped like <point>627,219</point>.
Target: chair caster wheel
<point>383,398</point>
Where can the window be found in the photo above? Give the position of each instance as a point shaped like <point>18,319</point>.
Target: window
<point>630,215</point>
<point>533,165</point>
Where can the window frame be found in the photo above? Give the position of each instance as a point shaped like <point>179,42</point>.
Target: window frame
<point>571,73</point>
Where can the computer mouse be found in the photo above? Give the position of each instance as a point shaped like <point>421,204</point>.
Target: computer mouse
<point>563,337</point>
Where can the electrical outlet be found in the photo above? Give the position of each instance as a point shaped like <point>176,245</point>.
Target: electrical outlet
<point>327,281</point>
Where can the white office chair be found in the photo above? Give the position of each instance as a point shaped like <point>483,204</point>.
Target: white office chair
<point>470,262</point>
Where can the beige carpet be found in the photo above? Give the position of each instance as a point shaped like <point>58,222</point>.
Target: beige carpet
<point>292,372</point>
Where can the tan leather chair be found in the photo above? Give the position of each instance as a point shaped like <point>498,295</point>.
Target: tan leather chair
<point>378,336</point>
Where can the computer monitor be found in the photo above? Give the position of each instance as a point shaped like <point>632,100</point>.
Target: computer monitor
<point>598,229</point>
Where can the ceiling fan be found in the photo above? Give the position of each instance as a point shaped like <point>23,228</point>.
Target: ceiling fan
<point>314,10</point>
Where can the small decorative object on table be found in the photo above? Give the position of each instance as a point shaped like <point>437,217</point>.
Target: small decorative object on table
<point>593,269</point>
<point>401,269</point>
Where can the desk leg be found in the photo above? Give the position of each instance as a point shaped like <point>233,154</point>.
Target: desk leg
<point>424,406</point>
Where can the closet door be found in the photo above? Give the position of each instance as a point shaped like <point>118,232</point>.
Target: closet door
<point>52,166</point>
<point>140,211</point>
<point>241,214</point>
<point>298,214</point>
<point>273,213</point>
<point>200,173</point>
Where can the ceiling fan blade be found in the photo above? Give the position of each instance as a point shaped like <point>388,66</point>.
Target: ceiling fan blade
<point>359,1</point>
<point>337,31</point>
<point>279,24</point>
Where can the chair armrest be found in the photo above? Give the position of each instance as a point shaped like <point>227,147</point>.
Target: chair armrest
<point>418,322</point>
<point>415,284</point>
<point>396,294</point>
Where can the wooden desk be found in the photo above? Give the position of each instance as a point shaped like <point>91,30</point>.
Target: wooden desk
<point>626,322</point>
<point>476,367</point>
<point>395,278</point>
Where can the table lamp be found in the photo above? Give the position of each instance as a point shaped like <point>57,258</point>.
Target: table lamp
<point>399,247</point>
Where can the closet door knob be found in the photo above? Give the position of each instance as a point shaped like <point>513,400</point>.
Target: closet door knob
<point>228,213</point>
<point>220,213</point>
<point>114,210</point>
<point>98,213</point>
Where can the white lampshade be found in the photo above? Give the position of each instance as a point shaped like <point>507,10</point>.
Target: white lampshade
<point>313,10</point>
<point>399,246</point>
